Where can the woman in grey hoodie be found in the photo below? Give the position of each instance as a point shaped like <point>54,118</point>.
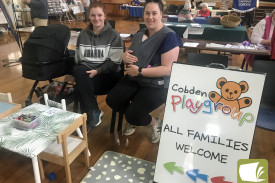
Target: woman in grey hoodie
<point>98,58</point>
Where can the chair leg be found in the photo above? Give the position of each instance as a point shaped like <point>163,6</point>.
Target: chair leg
<point>68,173</point>
<point>42,174</point>
<point>79,133</point>
<point>113,122</point>
<point>242,66</point>
<point>86,155</point>
<point>120,120</point>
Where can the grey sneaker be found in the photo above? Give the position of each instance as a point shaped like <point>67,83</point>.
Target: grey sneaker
<point>129,130</point>
<point>155,131</point>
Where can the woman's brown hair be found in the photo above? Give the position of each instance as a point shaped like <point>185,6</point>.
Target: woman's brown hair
<point>97,4</point>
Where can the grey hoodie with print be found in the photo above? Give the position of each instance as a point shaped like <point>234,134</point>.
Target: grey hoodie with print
<point>101,52</point>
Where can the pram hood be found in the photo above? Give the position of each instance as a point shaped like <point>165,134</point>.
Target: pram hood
<point>46,44</point>
<point>45,54</point>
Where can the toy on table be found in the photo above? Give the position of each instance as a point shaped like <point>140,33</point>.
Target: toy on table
<point>26,121</point>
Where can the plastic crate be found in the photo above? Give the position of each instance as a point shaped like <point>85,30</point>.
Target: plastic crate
<point>26,122</point>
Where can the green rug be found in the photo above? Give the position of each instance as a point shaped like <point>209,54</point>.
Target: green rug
<point>114,167</point>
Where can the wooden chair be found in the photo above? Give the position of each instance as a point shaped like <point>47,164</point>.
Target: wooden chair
<point>67,147</point>
<point>6,97</point>
<point>62,106</point>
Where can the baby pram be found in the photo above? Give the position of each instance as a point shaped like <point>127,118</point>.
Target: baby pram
<point>45,55</point>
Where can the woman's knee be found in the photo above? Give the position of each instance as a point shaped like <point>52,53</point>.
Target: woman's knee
<point>116,100</point>
<point>110,101</point>
<point>136,116</point>
<point>113,101</point>
<point>79,71</point>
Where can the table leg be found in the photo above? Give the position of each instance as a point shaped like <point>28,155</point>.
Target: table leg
<point>36,170</point>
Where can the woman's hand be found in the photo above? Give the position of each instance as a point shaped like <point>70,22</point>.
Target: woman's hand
<point>132,70</point>
<point>266,42</point>
<point>92,73</point>
<point>128,58</point>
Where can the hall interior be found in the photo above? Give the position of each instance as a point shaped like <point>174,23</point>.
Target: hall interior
<point>16,168</point>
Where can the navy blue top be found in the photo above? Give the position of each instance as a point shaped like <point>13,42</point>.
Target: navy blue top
<point>171,41</point>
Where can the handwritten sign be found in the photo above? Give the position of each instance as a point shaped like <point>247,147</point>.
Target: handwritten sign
<point>208,125</point>
<point>51,111</point>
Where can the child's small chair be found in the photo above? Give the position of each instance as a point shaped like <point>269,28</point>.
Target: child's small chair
<point>6,97</point>
<point>62,106</point>
<point>67,147</point>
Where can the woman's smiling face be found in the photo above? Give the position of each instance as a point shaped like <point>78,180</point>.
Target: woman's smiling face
<point>152,16</point>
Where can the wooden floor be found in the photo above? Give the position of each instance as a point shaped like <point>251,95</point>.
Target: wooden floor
<point>16,168</point>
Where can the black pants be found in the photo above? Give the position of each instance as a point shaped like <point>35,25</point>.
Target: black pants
<point>88,87</point>
<point>135,100</point>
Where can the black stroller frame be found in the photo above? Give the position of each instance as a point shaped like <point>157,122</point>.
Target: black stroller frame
<point>45,55</point>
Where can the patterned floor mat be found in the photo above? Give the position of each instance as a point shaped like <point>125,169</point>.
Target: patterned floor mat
<point>114,167</point>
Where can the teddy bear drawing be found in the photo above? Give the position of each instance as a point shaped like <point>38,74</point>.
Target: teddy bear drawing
<point>230,93</point>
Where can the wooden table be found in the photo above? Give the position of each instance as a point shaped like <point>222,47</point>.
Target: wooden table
<point>8,108</point>
<point>202,46</point>
<point>74,36</point>
<point>33,142</point>
<point>24,30</point>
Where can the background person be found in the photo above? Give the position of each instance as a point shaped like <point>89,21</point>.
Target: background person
<point>86,4</point>
<point>187,5</point>
<point>39,11</point>
<point>135,3</point>
<point>185,16</point>
<point>263,30</point>
<point>98,58</point>
<point>204,12</point>
<point>262,34</point>
<point>149,61</point>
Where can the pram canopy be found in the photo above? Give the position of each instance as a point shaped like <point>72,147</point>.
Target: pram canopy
<point>45,54</point>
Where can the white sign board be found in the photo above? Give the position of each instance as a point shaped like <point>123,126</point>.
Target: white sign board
<point>208,125</point>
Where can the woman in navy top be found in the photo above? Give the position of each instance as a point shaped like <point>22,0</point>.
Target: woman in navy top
<point>148,61</point>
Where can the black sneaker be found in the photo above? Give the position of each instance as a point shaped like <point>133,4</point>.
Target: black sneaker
<point>94,118</point>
